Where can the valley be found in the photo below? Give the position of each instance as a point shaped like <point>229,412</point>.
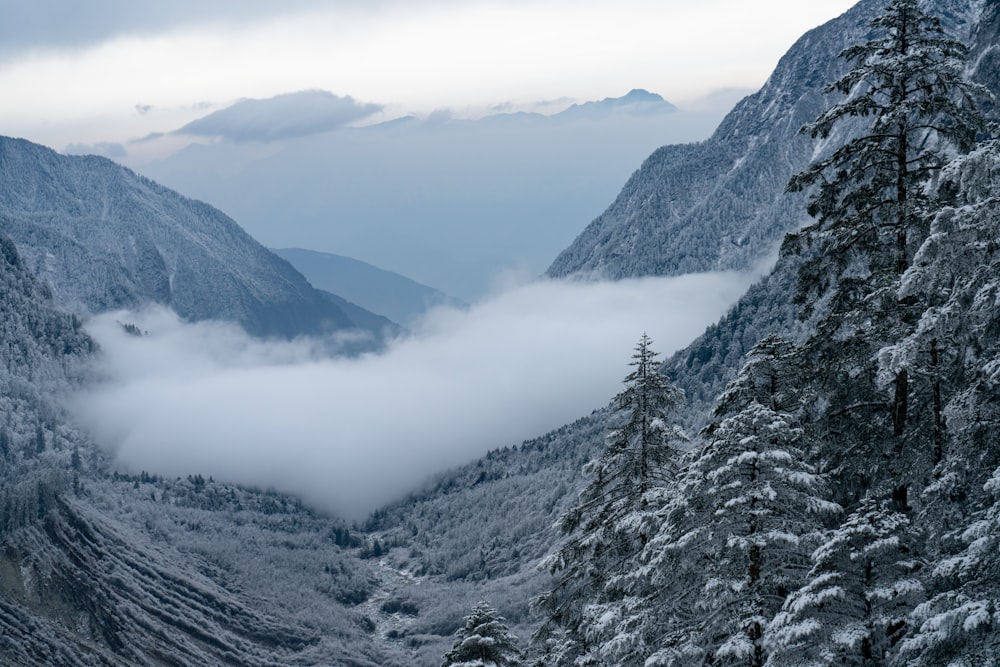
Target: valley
<point>841,411</point>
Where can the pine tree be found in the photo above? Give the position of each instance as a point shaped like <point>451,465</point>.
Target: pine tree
<point>960,625</point>
<point>909,80</point>
<point>484,641</point>
<point>958,268</point>
<point>734,536</point>
<point>762,506</point>
<point>872,211</point>
<point>613,517</point>
<point>853,610</point>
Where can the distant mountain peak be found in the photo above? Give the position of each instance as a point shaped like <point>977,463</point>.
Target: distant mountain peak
<point>637,101</point>
<point>640,95</point>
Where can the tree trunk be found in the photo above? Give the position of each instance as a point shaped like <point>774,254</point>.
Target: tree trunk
<point>899,403</point>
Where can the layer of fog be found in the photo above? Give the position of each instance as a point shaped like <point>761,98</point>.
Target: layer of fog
<point>349,435</point>
<point>446,202</point>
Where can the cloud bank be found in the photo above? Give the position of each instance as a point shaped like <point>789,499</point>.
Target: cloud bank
<point>349,435</point>
<point>64,24</point>
<point>282,117</point>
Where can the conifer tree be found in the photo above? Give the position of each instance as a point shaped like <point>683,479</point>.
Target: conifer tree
<point>734,537</point>
<point>853,609</point>
<point>613,517</point>
<point>960,624</point>
<point>484,641</point>
<point>872,211</point>
<point>762,506</point>
<point>958,267</point>
<point>909,80</point>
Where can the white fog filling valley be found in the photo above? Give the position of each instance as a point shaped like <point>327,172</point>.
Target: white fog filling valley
<point>351,434</point>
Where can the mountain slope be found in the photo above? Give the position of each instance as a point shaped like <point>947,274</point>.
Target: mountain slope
<point>104,238</point>
<point>384,292</point>
<point>100,568</point>
<point>720,204</point>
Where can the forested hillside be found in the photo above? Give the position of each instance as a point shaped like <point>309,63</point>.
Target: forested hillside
<point>104,238</point>
<point>721,203</point>
<point>840,506</point>
<point>103,568</point>
<point>815,481</point>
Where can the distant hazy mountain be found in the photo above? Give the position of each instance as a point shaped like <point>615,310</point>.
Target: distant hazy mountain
<point>637,101</point>
<point>384,292</point>
<point>448,202</point>
<point>104,237</point>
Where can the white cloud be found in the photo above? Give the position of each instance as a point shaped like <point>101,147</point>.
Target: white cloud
<point>281,117</point>
<point>418,55</point>
<point>352,434</point>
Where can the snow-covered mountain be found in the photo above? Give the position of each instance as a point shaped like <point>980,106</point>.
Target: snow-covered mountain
<point>103,237</point>
<point>384,292</point>
<point>720,204</point>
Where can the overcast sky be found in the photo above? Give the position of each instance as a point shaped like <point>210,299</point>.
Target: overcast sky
<point>108,70</point>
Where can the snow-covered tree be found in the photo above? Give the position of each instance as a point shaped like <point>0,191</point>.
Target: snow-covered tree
<point>484,641</point>
<point>762,504</point>
<point>960,625</point>
<point>734,536</point>
<point>639,454</point>
<point>613,516</point>
<point>957,271</point>
<point>873,207</point>
<point>853,609</point>
<point>909,80</point>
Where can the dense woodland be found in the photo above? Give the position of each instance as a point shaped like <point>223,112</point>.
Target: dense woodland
<point>840,507</point>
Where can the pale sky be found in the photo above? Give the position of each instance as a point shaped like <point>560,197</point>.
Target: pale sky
<point>111,70</point>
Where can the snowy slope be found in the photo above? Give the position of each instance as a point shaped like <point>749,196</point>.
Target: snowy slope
<point>720,204</point>
<point>99,568</point>
<point>104,238</point>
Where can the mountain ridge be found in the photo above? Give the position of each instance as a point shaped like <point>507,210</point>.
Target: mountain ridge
<point>387,293</point>
<point>720,204</point>
<point>105,238</point>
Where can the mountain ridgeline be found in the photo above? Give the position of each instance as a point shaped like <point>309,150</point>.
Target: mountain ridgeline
<point>385,292</point>
<point>104,238</point>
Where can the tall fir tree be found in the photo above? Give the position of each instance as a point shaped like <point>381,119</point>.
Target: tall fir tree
<point>613,517</point>
<point>734,537</point>
<point>959,266</point>
<point>960,625</point>
<point>872,211</point>
<point>909,80</point>
<point>853,609</point>
<point>762,506</point>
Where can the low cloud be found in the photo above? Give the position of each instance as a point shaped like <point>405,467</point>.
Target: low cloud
<point>349,435</point>
<point>107,149</point>
<point>282,117</point>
